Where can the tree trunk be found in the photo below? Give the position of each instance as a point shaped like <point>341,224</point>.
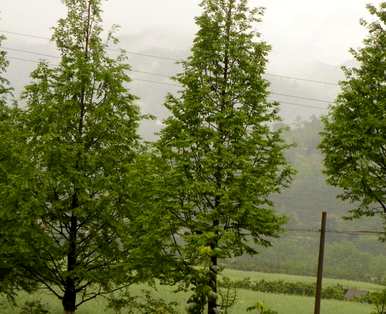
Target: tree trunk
<point>213,269</point>
<point>212,298</point>
<point>69,297</point>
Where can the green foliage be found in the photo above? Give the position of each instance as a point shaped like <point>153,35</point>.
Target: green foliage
<point>146,303</point>
<point>5,129</point>
<point>379,301</point>
<point>355,257</point>
<point>222,158</point>
<point>33,307</point>
<point>4,84</point>
<point>11,165</point>
<point>228,295</point>
<point>75,216</point>
<point>345,258</point>
<point>355,130</point>
<point>261,308</point>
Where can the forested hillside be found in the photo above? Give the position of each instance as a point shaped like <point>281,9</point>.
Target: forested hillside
<point>348,254</point>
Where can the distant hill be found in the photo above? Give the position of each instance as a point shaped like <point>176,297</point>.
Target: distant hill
<point>176,45</point>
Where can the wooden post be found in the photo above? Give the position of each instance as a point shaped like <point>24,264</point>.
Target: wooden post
<point>318,294</point>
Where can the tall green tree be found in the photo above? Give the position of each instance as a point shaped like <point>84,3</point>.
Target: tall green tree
<point>11,166</point>
<point>80,142</point>
<point>223,160</point>
<point>6,126</point>
<point>354,139</point>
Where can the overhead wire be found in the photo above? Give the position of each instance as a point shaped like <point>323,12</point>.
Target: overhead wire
<point>111,49</point>
<point>57,57</point>
<point>168,77</point>
<point>176,85</point>
<point>348,232</point>
<point>177,60</point>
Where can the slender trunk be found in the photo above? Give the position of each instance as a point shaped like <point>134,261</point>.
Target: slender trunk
<point>69,297</point>
<point>212,298</point>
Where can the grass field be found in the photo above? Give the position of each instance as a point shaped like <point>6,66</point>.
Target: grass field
<point>284,304</point>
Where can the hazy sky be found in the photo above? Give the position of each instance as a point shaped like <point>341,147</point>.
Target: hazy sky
<point>309,39</point>
<point>298,30</point>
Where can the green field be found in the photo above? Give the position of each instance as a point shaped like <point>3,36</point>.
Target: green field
<point>284,304</point>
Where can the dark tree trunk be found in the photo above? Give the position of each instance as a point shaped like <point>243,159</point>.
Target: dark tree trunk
<point>213,269</point>
<point>69,297</point>
<point>212,298</point>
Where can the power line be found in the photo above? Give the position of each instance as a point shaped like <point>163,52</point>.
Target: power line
<point>166,76</point>
<point>155,82</point>
<point>152,73</point>
<point>57,57</point>
<point>111,49</point>
<point>176,60</point>
<point>302,79</point>
<point>22,59</point>
<point>177,85</point>
<point>305,98</point>
<point>31,52</point>
<point>25,35</point>
<point>300,105</point>
<point>136,79</point>
<point>348,232</point>
<point>281,102</point>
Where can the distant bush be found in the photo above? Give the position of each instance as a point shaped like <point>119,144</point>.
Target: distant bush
<point>379,300</point>
<point>336,292</point>
<point>351,258</point>
<point>125,303</point>
<point>261,309</point>
<point>33,307</point>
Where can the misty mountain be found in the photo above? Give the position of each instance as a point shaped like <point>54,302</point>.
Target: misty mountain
<point>299,99</point>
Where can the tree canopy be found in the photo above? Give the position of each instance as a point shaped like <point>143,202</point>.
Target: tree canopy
<point>354,139</point>
<point>68,198</point>
<point>223,160</point>
<point>10,161</point>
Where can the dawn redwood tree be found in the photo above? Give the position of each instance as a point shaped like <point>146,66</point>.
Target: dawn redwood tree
<point>8,161</point>
<point>12,167</point>
<point>80,131</point>
<point>354,138</point>
<point>223,159</point>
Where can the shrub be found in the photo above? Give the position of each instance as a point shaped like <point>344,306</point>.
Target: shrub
<point>261,309</point>
<point>33,307</point>
<point>336,292</point>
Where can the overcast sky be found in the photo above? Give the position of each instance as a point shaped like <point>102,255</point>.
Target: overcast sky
<point>298,30</point>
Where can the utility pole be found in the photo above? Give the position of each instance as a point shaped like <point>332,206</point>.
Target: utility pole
<point>318,294</point>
